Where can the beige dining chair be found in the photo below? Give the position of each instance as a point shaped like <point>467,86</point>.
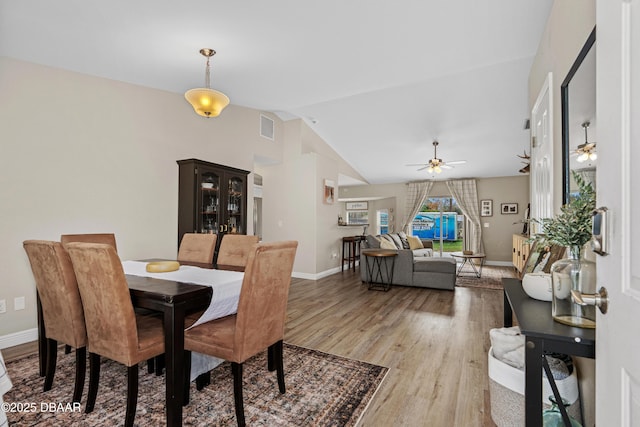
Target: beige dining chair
<point>234,251</point>
<point>61,307</point>
<point>113,330</point>
<point>259,322</point>
<point>197,247</point>
<point>107,238</point>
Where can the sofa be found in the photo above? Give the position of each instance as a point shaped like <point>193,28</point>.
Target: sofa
<point>415,264</point>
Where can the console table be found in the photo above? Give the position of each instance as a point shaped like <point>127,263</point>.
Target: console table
<point>542,334</point>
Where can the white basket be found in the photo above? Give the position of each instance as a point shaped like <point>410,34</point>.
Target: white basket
<point>506,391</point>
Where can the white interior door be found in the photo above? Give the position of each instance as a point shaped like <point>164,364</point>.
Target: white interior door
<point>618,180</point>
<point>541,180</point>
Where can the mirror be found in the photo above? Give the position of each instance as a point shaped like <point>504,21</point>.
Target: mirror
<point>578,98</point>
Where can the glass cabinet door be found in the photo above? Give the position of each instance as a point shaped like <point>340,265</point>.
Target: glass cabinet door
<point>208,219</point>
<point>235,208</point>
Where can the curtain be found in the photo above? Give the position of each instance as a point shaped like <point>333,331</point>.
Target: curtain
<point>416,193</point>
<point>464,191</point>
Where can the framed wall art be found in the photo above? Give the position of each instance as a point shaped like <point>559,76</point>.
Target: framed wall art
<point>486,207</point>
<point>508,208</point>
<point>329,190</point>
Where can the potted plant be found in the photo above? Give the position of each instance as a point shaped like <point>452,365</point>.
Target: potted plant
<point>572,228</point>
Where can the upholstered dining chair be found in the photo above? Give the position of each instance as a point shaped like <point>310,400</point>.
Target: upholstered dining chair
<point>107,238</point>
<point>197,247</point>
<point>234,251</point>
<point>259,323</point>
<point>61,307</point>
<point>113,331</point>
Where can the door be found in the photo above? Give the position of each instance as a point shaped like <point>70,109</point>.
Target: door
<point>542,156</point>
<point>618,112</point>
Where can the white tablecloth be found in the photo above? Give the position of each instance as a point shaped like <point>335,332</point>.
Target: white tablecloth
<point>224,300</point>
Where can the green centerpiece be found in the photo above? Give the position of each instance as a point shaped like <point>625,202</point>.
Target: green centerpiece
<point>572,228</point>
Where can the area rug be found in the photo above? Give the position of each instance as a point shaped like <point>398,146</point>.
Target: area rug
<point>322,390</point>
<point>491,277</point>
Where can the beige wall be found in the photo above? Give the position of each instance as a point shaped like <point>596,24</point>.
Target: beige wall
<point>84,154</point>
<point>497,229</point>
<point>569,25</point>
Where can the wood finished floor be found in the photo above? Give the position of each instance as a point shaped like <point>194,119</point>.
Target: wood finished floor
<point>434,342</point>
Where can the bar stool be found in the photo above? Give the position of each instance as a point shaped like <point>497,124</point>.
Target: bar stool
<point>350,248</point>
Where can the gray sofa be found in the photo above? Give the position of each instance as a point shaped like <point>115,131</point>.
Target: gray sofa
<point>415,267</point>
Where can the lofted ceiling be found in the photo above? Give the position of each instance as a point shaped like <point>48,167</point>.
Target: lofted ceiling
<point>378,80</point>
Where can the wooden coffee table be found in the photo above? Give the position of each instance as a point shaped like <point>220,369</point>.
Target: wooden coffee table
<point>469,259</point>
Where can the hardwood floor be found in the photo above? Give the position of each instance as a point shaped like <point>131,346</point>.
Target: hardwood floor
<point>434,342</point>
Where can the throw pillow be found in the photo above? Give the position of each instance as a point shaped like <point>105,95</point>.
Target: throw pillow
<point>395,238</point>
<point>415,242</point>
<point>373,242</point>
<point>403,239</point>
<point>385,244</point>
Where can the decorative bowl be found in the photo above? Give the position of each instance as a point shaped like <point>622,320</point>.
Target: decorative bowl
<point>538,286</point>
<point>207,185</point>
<point>467,252</point>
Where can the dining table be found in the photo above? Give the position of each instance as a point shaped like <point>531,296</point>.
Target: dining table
<point>193,287</point>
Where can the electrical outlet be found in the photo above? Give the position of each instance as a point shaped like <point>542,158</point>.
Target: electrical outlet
<point>18,303</point>
<point>3,305</point>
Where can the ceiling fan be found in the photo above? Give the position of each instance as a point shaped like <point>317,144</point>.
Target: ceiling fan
<point>586,151</point>
<point>435,164</point>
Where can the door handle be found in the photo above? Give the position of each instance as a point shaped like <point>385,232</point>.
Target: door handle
<point>599,299</point>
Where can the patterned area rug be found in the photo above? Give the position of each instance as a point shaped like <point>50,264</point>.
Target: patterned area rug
<point>322,390</point>
<point>491,277</point>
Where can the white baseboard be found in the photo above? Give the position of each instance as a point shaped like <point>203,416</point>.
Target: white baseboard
<point>499,263</point>
<point>320,275</point>
<point>18,338</point>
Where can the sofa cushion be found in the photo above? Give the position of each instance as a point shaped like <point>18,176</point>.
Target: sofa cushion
<point>414,242</point>
<point>421,253</point>
<point>395,238</point>
<point>435,265</point>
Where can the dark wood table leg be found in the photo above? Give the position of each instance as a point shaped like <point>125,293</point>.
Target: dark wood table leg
<point>507,319</point>
<point>174,360</point>
<point>534,348</point>
<point>42,339</point>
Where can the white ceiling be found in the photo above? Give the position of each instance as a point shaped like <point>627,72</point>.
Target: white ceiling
<point>379,80</point>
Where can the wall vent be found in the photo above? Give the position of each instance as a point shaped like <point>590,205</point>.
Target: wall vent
<point>266,127</point>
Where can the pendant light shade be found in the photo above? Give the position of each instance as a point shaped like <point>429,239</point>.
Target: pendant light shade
<point>206,101</point>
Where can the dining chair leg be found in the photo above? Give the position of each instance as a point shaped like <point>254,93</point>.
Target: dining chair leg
<point>278,356</point>
<point>94,379</point>
<point>67,349</point>
<point>150,365</point>
<point>81,368</point>
<point>203,380</point>
<point>187,377</point>
<point>132,395</point>
<point>236,369</point>
<point>52,356</point>
<point>159,362</point>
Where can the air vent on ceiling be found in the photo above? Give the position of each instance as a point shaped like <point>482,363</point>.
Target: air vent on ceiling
<point>266,127</point>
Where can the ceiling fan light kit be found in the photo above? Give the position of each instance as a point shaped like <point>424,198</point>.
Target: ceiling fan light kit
<point>586,151</point>
<point>436,164</point>
<point>206,101</point>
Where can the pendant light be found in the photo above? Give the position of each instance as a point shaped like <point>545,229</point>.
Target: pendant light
<point>586,151</point>
<point>206,101</point>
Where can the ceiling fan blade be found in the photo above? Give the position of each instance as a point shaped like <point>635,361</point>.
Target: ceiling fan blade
<point>446,166</point>
<point>457,162</point>
<point>417,164</point>
<point>422,168</point>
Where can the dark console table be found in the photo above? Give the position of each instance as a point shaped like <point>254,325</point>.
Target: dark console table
<point>542,334</point>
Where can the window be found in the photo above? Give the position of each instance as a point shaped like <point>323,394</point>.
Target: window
<point>440,220</point>
<point>383,221</point>
<point>357,217</point>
